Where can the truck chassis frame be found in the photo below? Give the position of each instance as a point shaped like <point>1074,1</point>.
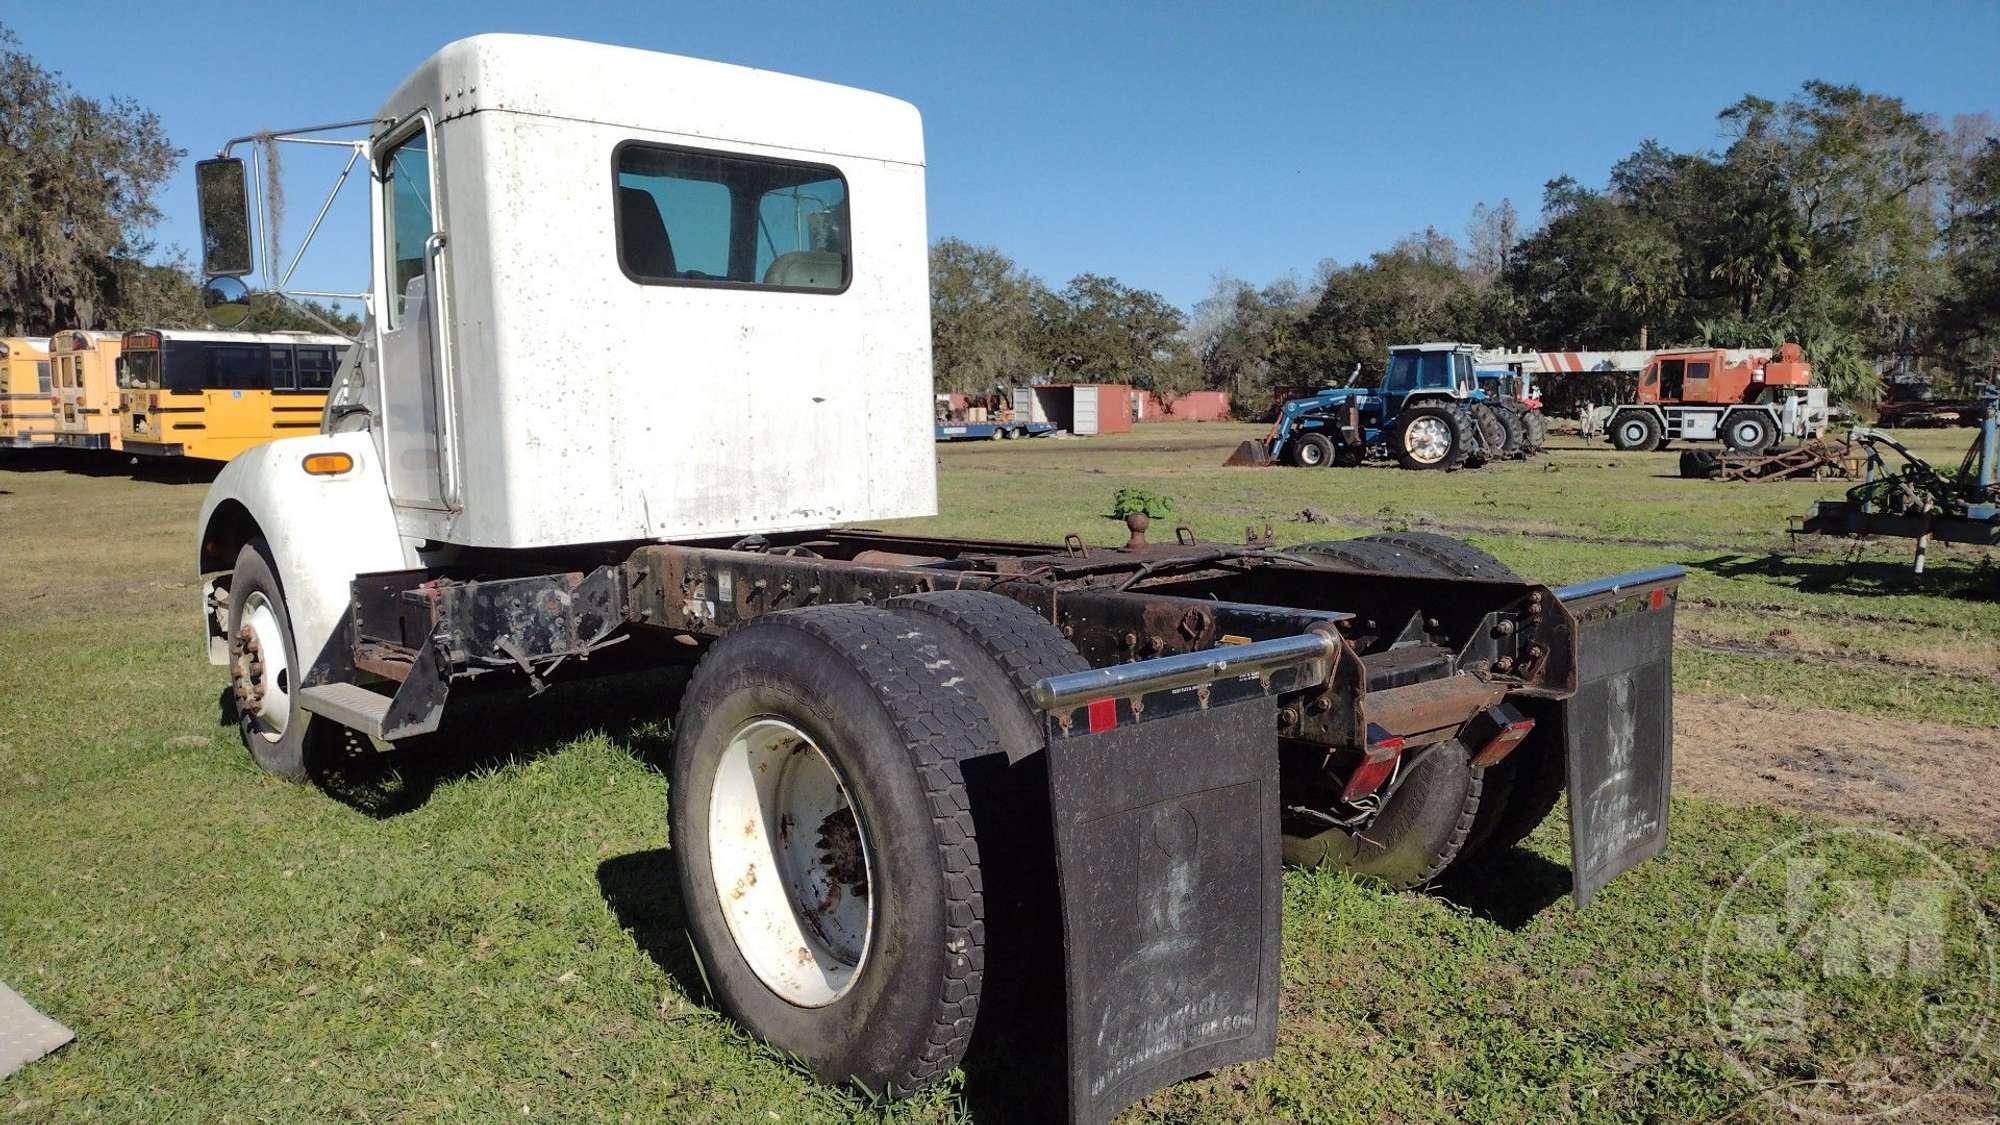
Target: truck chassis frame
<point>1186,642</point>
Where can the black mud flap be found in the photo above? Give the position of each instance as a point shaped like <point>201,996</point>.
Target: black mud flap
<point>1167,858</point>
<point>1618,729</point>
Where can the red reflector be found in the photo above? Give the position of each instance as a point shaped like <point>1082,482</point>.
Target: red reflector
<point>1658,598</point>
<point>1103,714</point>
<point>1377,763</point>
<point>1503,743</point>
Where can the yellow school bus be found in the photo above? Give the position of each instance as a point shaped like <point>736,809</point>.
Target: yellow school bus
<point>84,367</point>
<point>212,395</point>
<point>26,416</point>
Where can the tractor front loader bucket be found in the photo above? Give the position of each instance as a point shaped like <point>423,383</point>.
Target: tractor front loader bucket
<point>1249,453</point>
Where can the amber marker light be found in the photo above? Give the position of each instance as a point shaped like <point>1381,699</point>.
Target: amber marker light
<point>328,464</point>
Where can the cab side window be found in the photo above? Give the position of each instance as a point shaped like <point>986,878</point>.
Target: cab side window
<point>407,217</point>
<point>690,217</point>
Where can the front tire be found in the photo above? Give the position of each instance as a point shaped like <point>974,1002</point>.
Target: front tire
<point>1312,451</point>
<point>826,849</point>
<point>264,671</point>
<point>1635,432</point>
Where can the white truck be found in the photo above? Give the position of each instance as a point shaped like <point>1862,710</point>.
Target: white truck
<point>906,769</point>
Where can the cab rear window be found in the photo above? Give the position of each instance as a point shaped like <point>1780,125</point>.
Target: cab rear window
<point>692,217</point>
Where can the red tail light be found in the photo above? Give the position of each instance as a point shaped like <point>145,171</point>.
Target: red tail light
<point>1499,730</point>
<point>1378,762</point>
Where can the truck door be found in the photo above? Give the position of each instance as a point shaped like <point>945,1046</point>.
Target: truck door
<point>1673,379</point>
<point>415,400</point>
<point>1696,388</point>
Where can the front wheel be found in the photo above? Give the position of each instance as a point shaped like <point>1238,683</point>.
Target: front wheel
<point>1635,433</point>
<point>1312,451</point>
<point>826,850</point>
<point>264,667</point>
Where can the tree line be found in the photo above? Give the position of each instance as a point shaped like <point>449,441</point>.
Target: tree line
<point>1838,218</point>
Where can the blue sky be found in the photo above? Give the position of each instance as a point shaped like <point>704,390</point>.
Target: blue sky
<point>1159,143</point>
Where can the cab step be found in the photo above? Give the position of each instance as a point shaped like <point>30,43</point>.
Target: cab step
<point>350,705</point>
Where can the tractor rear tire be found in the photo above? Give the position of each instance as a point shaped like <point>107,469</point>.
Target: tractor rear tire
<point>1499,430</point>
<point>1634,432</point>
<point>1432,436</point>
<point>860,949</point>
<point>1749,433</point>
<point>1312,451</point>
<point>1537,425</point>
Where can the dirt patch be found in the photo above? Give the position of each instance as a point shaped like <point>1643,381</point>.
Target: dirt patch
<point>1840,764</point>
<point>1981,664</point>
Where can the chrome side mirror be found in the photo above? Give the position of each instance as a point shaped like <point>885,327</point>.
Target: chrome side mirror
<point>225,217</point>
<point>226,300</point>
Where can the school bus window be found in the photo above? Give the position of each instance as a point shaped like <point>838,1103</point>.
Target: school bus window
<point>43,379</point>
<point>240,368</point>
<point>316,367</point>
<point>281,369</point>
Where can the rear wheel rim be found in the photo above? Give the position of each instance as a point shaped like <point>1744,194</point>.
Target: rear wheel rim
<point>264,671</point>
<point>791,863</point>
<point>1310,454</point>
<point>1428,439</point>
<point>1635,433</point>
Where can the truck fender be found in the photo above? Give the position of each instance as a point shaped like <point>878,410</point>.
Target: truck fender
<point>322,531</point>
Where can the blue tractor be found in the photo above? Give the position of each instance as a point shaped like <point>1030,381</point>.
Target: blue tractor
<point>1428,413</point>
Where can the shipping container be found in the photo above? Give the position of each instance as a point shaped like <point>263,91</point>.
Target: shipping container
<point>1079,408</point>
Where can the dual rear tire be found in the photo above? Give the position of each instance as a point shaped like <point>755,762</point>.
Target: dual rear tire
<point>841,820</point>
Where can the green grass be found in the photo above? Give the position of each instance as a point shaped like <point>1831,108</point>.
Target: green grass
<point>489,923</point>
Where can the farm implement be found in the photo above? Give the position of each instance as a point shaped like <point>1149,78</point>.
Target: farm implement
<point>1917,500</point>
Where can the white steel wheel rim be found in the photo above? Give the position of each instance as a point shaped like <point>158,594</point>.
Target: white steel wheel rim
<point>1309,453</point>
<point>274,711</point>
<point>1635,432</point>
<point>1428,439</point>
<point>1749,434</point>
<point>791,863</point>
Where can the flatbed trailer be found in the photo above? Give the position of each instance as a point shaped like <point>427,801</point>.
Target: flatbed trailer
<point>987,431</point>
